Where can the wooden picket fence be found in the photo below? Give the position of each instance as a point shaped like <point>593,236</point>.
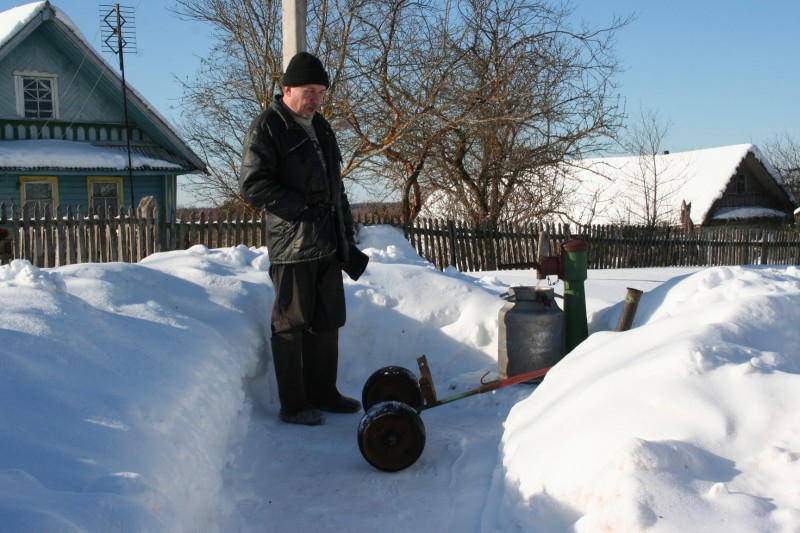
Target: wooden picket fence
<point>127,236</point>
<point>446,243</point>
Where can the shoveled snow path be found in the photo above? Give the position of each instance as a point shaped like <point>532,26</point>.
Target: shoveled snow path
<point>455,472</point>
<point>458,484</point>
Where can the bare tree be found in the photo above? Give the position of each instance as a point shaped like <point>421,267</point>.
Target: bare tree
<point>529,92</point>
<point>783,152</point>
<point>242,74</point>
<point>233,85</point>
<point>395,74</point>
<point>652,184</point>
<point>477,98</point>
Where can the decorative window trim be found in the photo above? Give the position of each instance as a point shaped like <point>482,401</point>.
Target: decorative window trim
<point>25,180</point>
<point>20,75</point>
<point>91,180</point>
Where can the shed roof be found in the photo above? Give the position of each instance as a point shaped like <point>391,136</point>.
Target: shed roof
<point>699,177</point>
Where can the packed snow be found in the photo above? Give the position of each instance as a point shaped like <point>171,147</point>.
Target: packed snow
<point>133,400</point>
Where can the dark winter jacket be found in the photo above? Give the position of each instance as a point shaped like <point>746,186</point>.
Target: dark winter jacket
<point>308,214</point>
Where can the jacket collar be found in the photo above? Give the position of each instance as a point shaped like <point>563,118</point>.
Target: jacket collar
<point>288,117</point>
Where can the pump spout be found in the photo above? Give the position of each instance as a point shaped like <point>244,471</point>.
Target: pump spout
<point>543,246</point>
<point>548,264</point>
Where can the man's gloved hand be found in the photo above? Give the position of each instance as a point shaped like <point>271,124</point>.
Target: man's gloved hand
<point>357,262</point>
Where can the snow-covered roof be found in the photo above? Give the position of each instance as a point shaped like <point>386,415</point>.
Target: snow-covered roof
<point>72,155</point>
<point>738,213</point>
<point>15,20</point>
<point>699,177</point>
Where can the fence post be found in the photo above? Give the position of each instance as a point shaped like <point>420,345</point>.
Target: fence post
<point>60,238</point>
<point>38,230</point>
<point>141,237</point>
<point>175,232</point>
<point>438,238</point>
<point>764,248</point>
<point>192,231</point>
<point>103,234</point>
<point>123,235</point>
<point>160,231</point>
<point>451,234</point>
<point>16,235</point>
<point>6,240</point>
<point>80,238</point>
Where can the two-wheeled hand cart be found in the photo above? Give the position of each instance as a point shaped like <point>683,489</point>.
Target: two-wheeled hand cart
<point>391,435</point>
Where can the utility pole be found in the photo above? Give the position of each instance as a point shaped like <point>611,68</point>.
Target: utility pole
<point>294,29</point>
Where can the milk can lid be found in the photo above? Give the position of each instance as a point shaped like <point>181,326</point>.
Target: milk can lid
<point>530,293</point>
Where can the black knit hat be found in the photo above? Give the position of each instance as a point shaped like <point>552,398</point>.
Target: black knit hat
<point>305,69</point>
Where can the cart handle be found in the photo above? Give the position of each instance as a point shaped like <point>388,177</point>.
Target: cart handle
<point>426,382</point>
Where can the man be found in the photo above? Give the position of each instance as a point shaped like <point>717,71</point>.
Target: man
<point>291,168</point>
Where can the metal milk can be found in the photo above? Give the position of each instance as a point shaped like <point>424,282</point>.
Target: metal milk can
<point>531,335</point>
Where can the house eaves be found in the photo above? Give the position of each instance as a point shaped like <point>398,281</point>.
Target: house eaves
<point>48,156</point>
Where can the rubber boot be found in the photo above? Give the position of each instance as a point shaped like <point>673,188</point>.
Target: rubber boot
<point>320,369</point>
<point>287,354</point>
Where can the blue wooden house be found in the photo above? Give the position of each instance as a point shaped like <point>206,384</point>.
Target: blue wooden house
<point>64,139</point>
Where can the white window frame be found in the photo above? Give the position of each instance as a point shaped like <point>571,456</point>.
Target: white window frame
<point>20,75</point>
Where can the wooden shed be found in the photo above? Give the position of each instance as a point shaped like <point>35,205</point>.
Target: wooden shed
<point>728,185</point>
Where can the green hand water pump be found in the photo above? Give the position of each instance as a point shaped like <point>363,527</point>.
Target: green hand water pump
<point>571,266</point>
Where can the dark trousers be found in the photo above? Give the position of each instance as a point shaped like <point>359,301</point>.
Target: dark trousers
<point>308,311</point>
<point>308,295</point>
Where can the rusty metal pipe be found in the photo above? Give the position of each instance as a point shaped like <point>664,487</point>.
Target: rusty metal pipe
<point>629,310</point>
<point>487,387</point>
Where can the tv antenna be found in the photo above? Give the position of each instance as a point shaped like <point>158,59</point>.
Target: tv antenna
<point>118,33</point>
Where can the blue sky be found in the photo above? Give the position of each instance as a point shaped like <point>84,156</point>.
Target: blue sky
<point>722,72</point>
